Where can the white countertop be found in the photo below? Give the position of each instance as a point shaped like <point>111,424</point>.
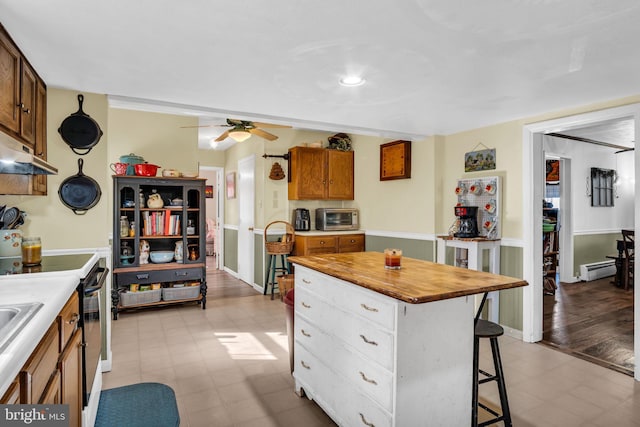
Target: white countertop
<point>51,289</point>
<point>327,233</point>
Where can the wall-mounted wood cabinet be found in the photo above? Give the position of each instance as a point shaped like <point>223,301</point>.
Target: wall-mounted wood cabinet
<point>23,113</point>
<point>320,174</point>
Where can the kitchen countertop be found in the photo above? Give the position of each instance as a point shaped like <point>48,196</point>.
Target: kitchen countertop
<point>416,282</point>
<point>51,289</point>
<point>327,233</point>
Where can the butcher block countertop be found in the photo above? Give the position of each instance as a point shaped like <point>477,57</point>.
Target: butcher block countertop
<point>416,282</point>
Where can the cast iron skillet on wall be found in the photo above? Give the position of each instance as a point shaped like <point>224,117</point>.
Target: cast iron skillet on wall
<point>79,192</point>
<point>80,131</point>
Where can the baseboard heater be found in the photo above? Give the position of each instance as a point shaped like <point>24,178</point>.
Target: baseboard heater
<point>597,270</point>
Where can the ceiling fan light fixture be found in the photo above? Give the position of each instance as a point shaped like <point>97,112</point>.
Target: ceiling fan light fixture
<point>352,81</point>
<point>239,135</point>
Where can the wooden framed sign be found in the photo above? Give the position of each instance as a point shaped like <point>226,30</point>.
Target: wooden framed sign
<point>395,160</point>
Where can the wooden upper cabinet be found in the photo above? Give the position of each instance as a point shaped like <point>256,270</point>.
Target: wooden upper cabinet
<point>320,174</point>
<point>9,84</point>
<point>340,175</point>
<point>28,92</point>
<point>40,150</point>
<point>19,92</point>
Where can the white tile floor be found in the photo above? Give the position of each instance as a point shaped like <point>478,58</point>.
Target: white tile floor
<point>229,366</point>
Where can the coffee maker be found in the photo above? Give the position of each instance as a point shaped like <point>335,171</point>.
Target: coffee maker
<point>301,220</point>
<point>467,221</point>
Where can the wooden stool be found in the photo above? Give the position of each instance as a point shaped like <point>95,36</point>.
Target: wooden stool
<point>282,247</point>
<point>486,329</point>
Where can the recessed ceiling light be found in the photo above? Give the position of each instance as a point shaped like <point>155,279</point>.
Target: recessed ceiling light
<point>352,81</point>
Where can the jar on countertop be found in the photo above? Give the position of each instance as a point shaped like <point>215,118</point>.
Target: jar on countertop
<point>31,251</point>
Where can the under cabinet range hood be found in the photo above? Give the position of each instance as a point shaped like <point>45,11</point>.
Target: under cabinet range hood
<point>16,158</point>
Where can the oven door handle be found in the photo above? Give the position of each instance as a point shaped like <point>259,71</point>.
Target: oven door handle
<point>103,272</point>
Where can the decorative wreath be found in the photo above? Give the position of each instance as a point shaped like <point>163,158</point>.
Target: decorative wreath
<point>340,141</point>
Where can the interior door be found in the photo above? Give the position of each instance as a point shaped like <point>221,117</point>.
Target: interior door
<point>246,220</point>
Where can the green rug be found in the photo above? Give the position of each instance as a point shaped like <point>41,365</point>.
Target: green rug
<point>138,405</point>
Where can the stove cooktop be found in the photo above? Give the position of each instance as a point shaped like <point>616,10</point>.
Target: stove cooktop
<point>50,264</point>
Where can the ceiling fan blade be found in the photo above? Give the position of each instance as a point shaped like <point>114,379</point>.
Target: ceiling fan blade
<point>269,125</point>
<point>203,126</point>
<point>263,134</point>
<point>223,136</point>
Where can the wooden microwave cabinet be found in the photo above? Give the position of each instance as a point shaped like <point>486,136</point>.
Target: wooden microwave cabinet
<point>328,244</point>
<point>23,113</point>
<point>320,174</point>
<point>53,372</point>
<point>163,229</point>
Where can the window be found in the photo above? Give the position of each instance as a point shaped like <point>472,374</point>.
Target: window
<point>602,187</point>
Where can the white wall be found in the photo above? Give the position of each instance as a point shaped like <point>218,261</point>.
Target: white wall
<point>584,156</point>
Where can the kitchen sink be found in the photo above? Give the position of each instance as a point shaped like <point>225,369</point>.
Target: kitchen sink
<point>14,317</point>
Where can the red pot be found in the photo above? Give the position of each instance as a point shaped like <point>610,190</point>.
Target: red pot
<point>146,169</point>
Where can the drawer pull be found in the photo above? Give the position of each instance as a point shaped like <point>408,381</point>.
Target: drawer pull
<point>367,341</point>
<point>365,422</point>
<point>142,276</point>
<point>305,333</point>
<point>353,240</point>
<point>304,365</point>
<point>74,319</point>
<point>308,282</point>
<point>366,307</point>
<point>181,273</point>
<point>305,305</point>
<point>364,377</point>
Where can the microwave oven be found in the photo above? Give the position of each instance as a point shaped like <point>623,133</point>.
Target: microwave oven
<point>337,219</point>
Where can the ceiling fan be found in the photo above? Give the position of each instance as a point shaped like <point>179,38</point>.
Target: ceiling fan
<point>241,130</point>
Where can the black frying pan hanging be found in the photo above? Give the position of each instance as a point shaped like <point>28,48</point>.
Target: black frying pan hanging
<point>80,131</point>
<point>79,192</point>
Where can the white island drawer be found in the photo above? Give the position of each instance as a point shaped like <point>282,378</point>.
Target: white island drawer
<point>352,299</point>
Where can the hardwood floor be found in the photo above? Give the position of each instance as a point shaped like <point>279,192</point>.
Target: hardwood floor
<point>592,320</point>
<point>223,285</point>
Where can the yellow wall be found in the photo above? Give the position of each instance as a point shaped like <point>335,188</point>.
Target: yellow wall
<point>57,225</point>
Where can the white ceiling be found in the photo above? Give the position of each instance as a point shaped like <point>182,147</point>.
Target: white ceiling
<point>431,66</point>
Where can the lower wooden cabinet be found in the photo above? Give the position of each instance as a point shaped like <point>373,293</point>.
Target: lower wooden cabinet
<point>328,244</point>
<point>70,368</point>
<point>53,372</point>
<point>37,372</point>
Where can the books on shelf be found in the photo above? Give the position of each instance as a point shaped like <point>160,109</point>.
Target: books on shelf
<point>160,223</point>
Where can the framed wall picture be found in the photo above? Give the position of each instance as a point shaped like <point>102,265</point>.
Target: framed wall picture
<point>231,185</point>
<point>480,160</point>
<point>395,160</point>
<point>208,191</point>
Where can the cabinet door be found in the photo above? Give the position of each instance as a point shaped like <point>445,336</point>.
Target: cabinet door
<point>40,150</point>
<point>70,366</point>
<point>308,175</point>
<point>28,91</point>
<point>36,373</point>
<point>340,174</point>
<point>9,84</point>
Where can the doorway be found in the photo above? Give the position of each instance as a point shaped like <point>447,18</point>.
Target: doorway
<point>214,203</point>
<point>533,188</point>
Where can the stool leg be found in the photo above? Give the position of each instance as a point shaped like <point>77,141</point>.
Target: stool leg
<point>286,264</point>
<point>266,277</point>
<point>273,274</point>
<point>474,397</point>
<point>502,389</point>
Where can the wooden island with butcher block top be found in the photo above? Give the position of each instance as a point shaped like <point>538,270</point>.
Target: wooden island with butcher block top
<point>378,347</point>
